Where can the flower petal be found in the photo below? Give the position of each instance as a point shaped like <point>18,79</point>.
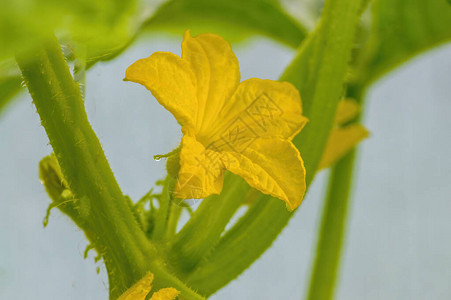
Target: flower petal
<point>340,142</point>
<point>273,166</point>
<point>201,170</point>
<point>165,294</point>
<point>261,108</point>
<point>347,110</point>
<point>139,290</point>
<point>217,72</point>
<point>171,81</point>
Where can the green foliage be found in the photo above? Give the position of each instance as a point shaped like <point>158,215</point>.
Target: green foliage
<point>80,155</point>
<point>133,240</point>
<point>10,82</point>
<point>101,25</point>
<point>400,30</point>
<point>9,87</point>
<point>234,19</point>
<point>254,233</point>
<point>112,227</point>
<point>103,29</point>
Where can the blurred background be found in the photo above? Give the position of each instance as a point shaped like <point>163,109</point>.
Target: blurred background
<point>399,226</point>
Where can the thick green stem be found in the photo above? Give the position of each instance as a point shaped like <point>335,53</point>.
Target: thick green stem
<point>321,63</point>
<point>205,227</point>
<point>332,230</point>
<point>127,253</point>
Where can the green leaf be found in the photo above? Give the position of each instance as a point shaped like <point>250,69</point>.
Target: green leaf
<point>9,87</point>
<point>402,29</point>
<point>103,26</point>
<point>321,62</point>
<point>232,19</point>
<point>10,83</point>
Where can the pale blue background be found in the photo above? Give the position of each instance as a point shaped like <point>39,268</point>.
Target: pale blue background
<point>399,238</point>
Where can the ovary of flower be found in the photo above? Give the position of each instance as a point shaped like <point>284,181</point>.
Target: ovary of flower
<point>246,127</point>
<point>142,288</point>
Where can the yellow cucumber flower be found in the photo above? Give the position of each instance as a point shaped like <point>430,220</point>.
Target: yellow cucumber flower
<point>245,127</point>
<point>142,288</point>
<point>343,137</point>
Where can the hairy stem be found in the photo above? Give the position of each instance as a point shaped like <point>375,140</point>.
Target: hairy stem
<point>127,253</point>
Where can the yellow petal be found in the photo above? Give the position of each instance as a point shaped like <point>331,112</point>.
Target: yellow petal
<point>201,170</point>
<point>274,167</point>
<point>165,294</point>
<point>340,142</point>
<point>261,108</point>
<point>139,290</point>
<point>217,72</point>
<point>171,81</point>
<point>347,110</point>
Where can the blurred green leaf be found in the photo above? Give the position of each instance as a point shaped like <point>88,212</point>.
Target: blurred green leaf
<point>10,83</point>
<point>233,19</point>
<point>9,87</point>
<point>102,29</point>
<point>402,29</point>
<point>101,25</point>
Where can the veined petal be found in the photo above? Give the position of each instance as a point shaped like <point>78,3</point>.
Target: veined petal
<point>273,166</point>
<point>201,170</point>
<point>165,294</point>
<point>171,81</point>
<point>340,142</point>
<point>261,108</point>
<point>217,72</point>
<point>347,110</point>
<point>139,290</point>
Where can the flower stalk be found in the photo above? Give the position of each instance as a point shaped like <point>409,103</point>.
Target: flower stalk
<point>325,269</point>
<point>318,72</point>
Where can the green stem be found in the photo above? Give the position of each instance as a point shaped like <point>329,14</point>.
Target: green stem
<point>127,253</point>
<point>205,227</point>
<point>330,241</point>
<point>162,216</point>
<point>321,62</point>
<point>174,217</point>
<point>324,272</point>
